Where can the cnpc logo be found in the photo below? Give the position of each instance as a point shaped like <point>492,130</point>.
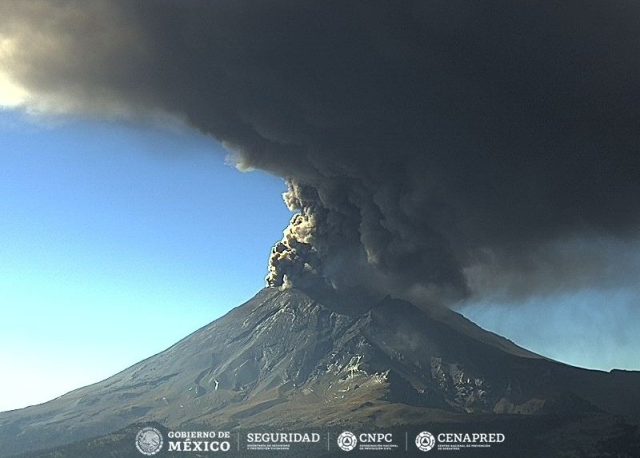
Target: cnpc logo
<point>347,441</point>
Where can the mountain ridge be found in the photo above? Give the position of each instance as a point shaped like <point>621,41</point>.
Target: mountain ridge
<point>290,358</point>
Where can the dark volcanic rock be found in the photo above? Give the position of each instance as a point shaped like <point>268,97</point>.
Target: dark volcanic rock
<point>287,359</point>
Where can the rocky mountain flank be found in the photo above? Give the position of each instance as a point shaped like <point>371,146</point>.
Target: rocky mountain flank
<point>293,359</point>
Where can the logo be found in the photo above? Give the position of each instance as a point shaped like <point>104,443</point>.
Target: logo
<point>347,441</point>
<point>280,441</point>
<point>425,441</point>
<point>149,441</point>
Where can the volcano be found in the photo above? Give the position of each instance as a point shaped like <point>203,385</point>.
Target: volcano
<point>291,359</point>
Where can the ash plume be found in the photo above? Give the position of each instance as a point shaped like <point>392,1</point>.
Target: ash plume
<point>296,256</point>
<point>432,148</point>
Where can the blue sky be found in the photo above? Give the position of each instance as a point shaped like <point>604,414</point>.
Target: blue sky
<point>118,239</point>
<point>590,328</point>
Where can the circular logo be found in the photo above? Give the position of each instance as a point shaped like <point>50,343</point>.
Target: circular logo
<point>425,441</point>
<point>149,441</point>
<point>347,441</point>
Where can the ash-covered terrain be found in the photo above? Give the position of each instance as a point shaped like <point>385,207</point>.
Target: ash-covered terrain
<point>290,360</point>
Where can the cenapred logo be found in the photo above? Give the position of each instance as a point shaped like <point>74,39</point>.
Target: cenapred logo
<point>425,441</point>
<point>347,441</point>
<point>149,441</point>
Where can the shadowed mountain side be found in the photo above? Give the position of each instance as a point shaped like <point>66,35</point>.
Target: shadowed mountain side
<point>288,359</point>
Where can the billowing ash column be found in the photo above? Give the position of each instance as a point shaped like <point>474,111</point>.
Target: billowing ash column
<point>295,260</point>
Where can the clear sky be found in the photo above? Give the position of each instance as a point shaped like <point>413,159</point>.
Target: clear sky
<point>117,240</point>
<point>590,328</point>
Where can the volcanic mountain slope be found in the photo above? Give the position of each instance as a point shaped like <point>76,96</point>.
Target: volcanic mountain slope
<point>288,359</point>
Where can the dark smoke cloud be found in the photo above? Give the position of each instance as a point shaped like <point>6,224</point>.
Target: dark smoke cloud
<point>439,147</point>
